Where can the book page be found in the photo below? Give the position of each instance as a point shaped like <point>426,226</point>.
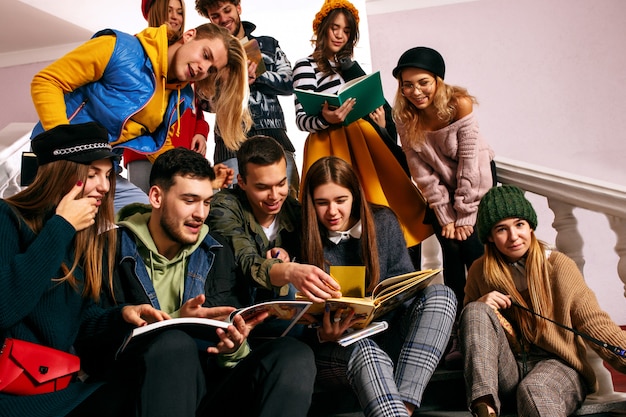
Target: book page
<point>196,327</point>
<point>392,283</point>
<point>280,309</point>
<point>363,311</point>
<point>350,83</point>
<point>351,279</point>
<point>370,330</point>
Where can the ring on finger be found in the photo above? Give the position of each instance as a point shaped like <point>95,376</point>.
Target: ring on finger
<point>337,319</point>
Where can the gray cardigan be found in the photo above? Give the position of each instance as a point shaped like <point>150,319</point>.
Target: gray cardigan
<point>392,251</point>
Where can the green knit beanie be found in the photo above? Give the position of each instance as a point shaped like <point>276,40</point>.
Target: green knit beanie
<point>502,203</point>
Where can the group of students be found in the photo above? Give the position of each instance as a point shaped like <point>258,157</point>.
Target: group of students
<point>77,279</point>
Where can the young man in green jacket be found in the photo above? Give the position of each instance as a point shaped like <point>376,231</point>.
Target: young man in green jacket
<point>263,225</point>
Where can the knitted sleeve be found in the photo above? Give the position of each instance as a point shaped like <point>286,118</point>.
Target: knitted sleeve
<point>81,66</point>
<point>473,281</point>
<point>28,262</point>
<point>473,176</point>
<point>584,310</point>
<point>423,165</point>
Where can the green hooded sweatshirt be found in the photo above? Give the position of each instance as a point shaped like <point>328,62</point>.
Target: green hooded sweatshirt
<point>167,275</point>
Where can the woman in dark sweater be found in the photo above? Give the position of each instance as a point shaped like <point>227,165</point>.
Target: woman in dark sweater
<point>388,374</point>
<point>56,246</point>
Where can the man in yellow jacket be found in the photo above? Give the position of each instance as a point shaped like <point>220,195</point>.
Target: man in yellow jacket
<point>126,82</point>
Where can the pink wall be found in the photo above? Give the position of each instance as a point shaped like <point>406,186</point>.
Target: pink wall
<point>15,86</point>
<point>550,75</point>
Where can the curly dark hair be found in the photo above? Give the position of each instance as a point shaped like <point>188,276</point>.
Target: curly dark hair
<point>203,5</point>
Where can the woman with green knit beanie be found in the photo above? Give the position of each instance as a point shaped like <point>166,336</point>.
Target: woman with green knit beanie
<point>513,356</point>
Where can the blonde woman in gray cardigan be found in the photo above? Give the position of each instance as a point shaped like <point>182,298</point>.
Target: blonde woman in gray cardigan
<point>448,159</point>
<point>513,357</point>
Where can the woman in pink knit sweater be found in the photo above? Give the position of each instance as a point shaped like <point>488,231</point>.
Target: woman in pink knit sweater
<point>449,161</point>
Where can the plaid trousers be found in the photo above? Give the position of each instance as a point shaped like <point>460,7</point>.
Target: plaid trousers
<point>415,341</point>
<point>540,385</point>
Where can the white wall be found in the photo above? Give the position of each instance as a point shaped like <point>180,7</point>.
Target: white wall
<point>550,79</point>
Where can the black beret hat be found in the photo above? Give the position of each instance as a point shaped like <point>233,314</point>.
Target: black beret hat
<point>421,57</point>
<point>82,143</point>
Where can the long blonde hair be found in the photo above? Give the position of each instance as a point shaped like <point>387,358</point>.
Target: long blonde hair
<point>497,275</point>
<point>40,199</point>
<point>227,89</point>
<point>445,100</point>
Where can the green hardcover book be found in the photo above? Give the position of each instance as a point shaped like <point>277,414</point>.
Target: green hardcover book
<point>367,90</point>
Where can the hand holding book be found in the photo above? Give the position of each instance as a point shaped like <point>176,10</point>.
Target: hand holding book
<point>211,330</point>
<point>365,94</point>
<point>387,295</point>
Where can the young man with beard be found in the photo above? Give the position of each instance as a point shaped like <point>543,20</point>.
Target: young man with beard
<point>263,225</point>
<point>277,80</point>
<point>168,257</point>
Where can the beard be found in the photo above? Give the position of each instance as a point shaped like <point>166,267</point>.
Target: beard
<point>173,229</point>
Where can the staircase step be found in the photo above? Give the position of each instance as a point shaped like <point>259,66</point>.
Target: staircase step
<point>444,397</point>
<point>610,409</point>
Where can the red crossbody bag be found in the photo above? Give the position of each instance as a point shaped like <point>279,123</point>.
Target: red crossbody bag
<point>28,368</point>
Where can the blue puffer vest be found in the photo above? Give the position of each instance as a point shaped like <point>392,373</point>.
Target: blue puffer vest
<point>126,86</point>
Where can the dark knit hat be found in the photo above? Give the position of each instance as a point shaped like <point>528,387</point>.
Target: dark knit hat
<point>502,203</point>
<point>82,143</point>
<point>421,57</point>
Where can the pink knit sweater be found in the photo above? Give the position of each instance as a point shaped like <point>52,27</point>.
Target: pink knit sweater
<point>451,169</point>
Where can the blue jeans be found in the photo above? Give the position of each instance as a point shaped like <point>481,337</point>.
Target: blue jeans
<point>126,193</point>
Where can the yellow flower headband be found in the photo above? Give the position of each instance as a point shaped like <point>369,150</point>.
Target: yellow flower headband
<point>331,5</point>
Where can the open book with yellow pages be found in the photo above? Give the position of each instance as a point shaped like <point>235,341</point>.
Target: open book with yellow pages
<point>387,295</point>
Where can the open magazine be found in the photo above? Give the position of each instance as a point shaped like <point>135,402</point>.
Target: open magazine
<point>204,329</point>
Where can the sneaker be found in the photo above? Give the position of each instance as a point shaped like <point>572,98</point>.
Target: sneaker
<point>481,410</point>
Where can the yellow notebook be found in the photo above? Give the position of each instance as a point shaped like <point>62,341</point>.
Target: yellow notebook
<point>350,278</point>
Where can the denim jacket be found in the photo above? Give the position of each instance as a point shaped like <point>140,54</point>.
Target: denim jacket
<point>211,269</point>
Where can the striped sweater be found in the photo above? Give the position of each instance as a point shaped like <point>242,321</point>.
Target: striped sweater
<point>306,76</point>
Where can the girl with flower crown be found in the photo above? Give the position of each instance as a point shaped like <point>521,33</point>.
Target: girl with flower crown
<point>369,144</point>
